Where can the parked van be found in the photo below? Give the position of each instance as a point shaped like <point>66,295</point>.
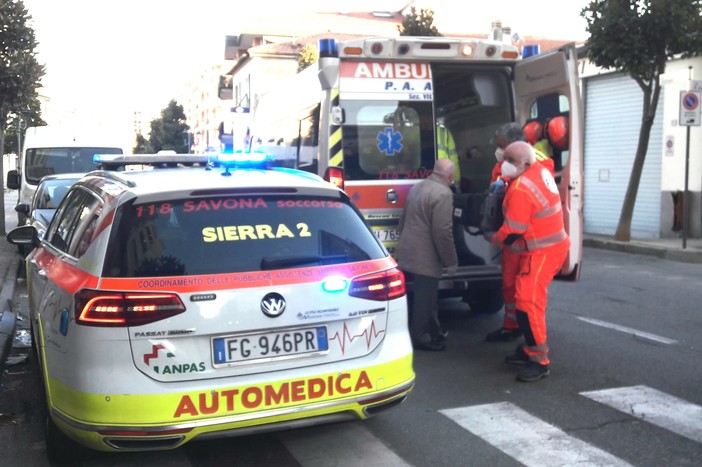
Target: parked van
<point>53,150</point>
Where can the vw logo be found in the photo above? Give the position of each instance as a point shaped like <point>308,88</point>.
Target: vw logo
<point>273,305</point>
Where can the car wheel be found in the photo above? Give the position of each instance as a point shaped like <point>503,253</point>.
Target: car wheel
<point>485,297</point>
<point>61,449</point>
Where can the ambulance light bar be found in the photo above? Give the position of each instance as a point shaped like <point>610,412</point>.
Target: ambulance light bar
<point>420,48</point>
<point>107,161</point>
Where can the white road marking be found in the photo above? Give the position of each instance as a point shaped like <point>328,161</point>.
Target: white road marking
<point>339,445</point>
<point>528,439</point>
<point>658,408</point>
<point>632,331</point>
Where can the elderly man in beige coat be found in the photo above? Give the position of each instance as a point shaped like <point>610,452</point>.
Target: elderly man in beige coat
<point>426,246</point>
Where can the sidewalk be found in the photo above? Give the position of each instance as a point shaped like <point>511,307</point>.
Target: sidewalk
<point>10,262</point>
<point>665,248</point>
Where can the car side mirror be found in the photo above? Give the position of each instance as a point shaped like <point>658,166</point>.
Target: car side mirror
<point>22,208</point>
<point>24,235</point>
<point>13,180</point>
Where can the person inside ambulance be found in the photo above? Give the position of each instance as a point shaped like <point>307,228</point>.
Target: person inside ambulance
<point>534,132</point>
<point>446,148</point>
<point>533,228</point>
<point>504,136</point>
<point>556,136</point>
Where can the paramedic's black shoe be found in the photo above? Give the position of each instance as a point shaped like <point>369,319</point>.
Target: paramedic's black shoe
<point>503,335</point>
<point>518,357</point>
<point>533,372</point>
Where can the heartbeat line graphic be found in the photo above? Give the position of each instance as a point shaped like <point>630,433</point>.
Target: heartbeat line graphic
<point>154,353</point>
<point>369,335</point>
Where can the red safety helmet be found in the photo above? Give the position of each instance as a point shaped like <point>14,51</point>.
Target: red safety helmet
<point>534,131</point>
<point>557,132</point>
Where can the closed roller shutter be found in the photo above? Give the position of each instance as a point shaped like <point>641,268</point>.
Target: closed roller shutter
<point>613,110</point>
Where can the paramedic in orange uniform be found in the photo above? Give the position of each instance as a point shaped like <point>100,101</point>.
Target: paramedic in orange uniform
<point>506,134</point>
<point>533,228</point>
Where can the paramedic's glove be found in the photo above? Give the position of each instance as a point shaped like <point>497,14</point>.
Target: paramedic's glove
<point>490,237</point>
<point>451,270</point>
<point>498,186</point>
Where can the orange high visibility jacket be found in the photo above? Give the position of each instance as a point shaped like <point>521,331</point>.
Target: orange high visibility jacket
<point>533,215</point>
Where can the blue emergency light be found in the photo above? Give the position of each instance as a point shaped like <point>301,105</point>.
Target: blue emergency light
<point>243,160</point>
<point>328,48</point>
<point>335,284</point>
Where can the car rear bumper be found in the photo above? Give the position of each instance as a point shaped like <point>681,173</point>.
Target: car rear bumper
<point>173,420</point>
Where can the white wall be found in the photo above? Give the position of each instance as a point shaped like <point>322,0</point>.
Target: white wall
<point>676,79</point>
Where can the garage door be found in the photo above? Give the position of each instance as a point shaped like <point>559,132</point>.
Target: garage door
<point>613,110</point>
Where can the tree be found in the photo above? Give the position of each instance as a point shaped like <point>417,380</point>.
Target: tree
<point>170,132</point>
<point>20,74</point>
<point>308,56</point>
<point>18,122</point>
<point>142,145</point>
<point>418,24</point>
<point>638,37</point>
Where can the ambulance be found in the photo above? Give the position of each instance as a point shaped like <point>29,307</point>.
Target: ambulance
<point>375,114</point>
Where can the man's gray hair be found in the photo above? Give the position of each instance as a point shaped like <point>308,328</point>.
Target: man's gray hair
<point>510,132</point>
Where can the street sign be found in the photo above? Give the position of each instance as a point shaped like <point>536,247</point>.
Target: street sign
<point>690,102</point>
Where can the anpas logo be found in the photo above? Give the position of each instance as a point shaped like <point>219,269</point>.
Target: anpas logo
<point>273,305</point>
<point>168,369</point>
<point>154,353</point>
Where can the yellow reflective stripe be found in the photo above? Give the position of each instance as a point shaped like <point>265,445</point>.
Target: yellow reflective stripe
<point>211,399</point>
<point>336,152</point>
<point>540,156</point>
<point>543,242</point>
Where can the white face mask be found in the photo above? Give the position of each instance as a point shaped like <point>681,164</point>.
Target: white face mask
<point>499,154</point>
<point>508,170</point>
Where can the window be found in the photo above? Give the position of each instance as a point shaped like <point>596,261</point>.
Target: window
<point>236,234</point>
<point>387,139</point>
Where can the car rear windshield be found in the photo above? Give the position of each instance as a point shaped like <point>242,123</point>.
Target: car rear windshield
<point>236,234</point>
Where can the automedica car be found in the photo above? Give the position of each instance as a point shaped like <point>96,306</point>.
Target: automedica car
<point>175,304</point>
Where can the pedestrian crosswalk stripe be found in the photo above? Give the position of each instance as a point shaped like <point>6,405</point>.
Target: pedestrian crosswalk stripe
<point>656,407</point>
<point>345,445</point>
<point>526,438</point>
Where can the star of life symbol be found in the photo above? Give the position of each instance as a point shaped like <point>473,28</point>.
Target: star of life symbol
<point>389,141</point>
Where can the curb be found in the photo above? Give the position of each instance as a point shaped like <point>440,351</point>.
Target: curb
<point>672,254</point>
<point>8,318</point>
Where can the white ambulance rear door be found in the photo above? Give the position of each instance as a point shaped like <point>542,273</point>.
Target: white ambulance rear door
<point>556,72</point>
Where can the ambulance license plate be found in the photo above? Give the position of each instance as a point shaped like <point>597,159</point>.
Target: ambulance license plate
<point>387,235</point>
<point>277,345</point>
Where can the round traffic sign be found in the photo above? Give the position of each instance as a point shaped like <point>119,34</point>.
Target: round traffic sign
<point>690,101</point>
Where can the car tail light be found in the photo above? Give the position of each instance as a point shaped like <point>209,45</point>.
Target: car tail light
<point>102,308</point>
<point>335,176</point>
<point>380,286</point>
